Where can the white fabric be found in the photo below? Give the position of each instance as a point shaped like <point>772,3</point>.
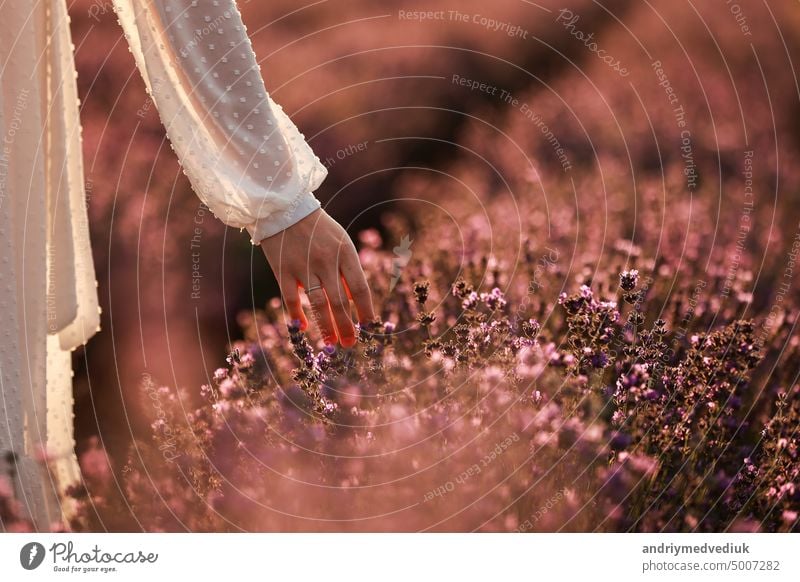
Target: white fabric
<point>244,157</point>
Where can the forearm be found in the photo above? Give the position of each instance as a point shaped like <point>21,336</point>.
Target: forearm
<point>243,155</point>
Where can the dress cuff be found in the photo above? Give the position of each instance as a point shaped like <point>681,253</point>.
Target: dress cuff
<point>301,207</point>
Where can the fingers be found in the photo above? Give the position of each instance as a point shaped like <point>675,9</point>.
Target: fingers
<point>321,258</point>
<point>340,307</point>
<point>356,283</point>
<point>320,311</point>
<point>291,300</point>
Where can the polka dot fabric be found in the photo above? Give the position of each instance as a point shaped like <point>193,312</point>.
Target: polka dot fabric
<point>243,155</point>
<point>48,296</point>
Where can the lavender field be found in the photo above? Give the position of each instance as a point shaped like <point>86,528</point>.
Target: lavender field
<point>581,226</point>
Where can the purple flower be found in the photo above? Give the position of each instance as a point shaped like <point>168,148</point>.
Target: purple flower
<point>629,279</point>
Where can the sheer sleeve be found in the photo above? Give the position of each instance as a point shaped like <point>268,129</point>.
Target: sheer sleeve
<point>245,159</point>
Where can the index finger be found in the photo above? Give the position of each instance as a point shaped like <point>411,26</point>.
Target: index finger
<point>357,286</point>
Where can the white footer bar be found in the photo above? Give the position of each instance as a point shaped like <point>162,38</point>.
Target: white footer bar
<point>389,557</point>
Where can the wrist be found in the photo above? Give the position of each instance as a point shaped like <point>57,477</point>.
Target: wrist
<point>271,225</point>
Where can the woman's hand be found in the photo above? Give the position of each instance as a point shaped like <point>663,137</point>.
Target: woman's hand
<point>317,254</point>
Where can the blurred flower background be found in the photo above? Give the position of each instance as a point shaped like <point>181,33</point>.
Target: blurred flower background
<point>581,223</point>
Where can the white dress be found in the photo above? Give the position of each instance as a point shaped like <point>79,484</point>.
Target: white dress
<point>244,157</point>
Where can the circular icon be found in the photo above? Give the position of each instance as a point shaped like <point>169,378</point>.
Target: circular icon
<point>31,555</point>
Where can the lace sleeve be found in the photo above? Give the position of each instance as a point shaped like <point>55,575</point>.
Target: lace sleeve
<point>244,157</point>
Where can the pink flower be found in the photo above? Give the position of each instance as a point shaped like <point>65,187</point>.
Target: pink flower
<point>94,462</point>
<point>371,238</point>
